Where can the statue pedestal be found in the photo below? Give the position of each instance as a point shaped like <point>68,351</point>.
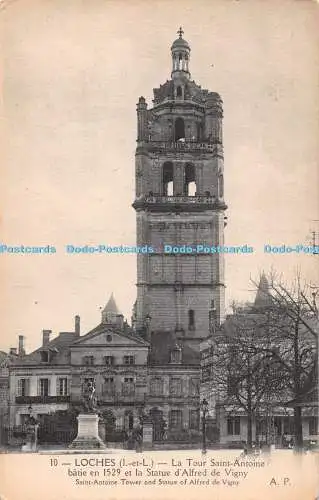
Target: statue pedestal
<point>32,439</point>
<point>88,433</point>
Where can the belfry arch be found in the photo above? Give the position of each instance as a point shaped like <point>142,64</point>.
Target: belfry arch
<point>190,187</point>
<point>168,179</point>
<point>179,129</point>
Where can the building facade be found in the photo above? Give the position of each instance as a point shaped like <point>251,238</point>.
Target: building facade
<point>53,377</point>
<point>132,377</point>
<point>152,368</point>
<point>4,392</point>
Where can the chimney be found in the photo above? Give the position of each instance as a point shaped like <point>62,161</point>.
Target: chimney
<point>46,337</point>
<point>119,321</point>
<point>13,351</point>
<point>77,321</point>
<point>21,351</point>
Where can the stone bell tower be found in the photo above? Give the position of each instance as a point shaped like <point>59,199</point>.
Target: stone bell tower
<point>180,201</point>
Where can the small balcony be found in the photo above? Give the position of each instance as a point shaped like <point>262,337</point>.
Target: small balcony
<point>173,398</point>
<point>27,400</point>
<point>118,398</point>
<point>183,146</point>
<point>207,200</point>
<point>156,202</point>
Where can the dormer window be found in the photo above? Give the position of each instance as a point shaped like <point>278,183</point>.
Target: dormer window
<point>44,356</point>
<point>179,91</point>
<point>176,355</point>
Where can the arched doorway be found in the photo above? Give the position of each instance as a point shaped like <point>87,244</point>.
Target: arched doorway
<point>128,420</point>
<point>159,424</point>
<point>109,424</point>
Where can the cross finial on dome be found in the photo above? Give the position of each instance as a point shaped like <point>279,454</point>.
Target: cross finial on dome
<point>180,32</point>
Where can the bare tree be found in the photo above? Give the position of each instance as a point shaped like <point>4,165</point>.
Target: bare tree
<point>266,355</point>
<point>245,369</point>
<point>294,344</point>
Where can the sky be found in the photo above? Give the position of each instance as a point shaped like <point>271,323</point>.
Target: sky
<point>72,73</point>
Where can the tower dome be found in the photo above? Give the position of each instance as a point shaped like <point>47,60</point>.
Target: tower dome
<point>180,43</point>
<point>180,57</point>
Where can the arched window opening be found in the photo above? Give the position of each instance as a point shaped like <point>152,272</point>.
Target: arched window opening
<point>186,62</point>
<point>191,189</point>
<point>190,181</point>
<point>199,132</point>
<point>170,188</point>
<point>180,60</point>
<point>221,186</point>
<point>176,355</point>
<point>179,129</point>
<point>179,91</point>
<point>191,319</point>
<point>168,179</point>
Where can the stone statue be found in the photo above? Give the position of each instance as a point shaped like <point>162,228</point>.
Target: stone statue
<point>89,397</point>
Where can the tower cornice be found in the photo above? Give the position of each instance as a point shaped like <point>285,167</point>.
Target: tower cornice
<point>179,204</point>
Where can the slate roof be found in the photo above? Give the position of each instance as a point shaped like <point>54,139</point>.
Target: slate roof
<point>192,92</point>
<point>162,344</point>
<point>58,347</point>
<point>263,297</point>
<point>111,306</point>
